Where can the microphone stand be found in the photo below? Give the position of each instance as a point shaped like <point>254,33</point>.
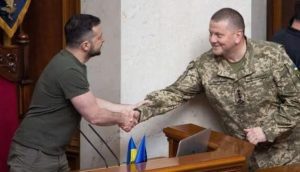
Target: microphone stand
<point>112,152</point>
<point>94,147</point>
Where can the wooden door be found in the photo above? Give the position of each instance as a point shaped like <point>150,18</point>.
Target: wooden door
<point>279,14</point>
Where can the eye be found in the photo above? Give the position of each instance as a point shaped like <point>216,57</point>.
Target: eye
<point>219,35</point>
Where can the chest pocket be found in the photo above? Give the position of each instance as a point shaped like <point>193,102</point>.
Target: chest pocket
<point>259,79</point>
<point>219,81</point>
<point>219,89</point>
<point>259,87</point>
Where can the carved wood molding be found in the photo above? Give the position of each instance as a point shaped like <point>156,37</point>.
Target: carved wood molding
<point>14,60</point>
<point>11,63</point>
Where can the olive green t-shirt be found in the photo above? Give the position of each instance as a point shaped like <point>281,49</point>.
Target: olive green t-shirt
<point>236,66</point>
<point>52,119</point>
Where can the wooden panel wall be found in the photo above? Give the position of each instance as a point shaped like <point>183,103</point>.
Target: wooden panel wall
<point>44,24</point>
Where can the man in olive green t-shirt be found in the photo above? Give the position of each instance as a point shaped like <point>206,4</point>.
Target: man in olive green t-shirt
<point>60,98</point>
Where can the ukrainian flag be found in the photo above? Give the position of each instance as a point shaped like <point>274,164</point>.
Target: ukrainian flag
<point>131,153</point>
<point>142,152</point>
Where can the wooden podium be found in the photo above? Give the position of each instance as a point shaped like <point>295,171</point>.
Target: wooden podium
<point>224,154</point>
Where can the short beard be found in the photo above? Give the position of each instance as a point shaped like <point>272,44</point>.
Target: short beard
<point>94,53</point>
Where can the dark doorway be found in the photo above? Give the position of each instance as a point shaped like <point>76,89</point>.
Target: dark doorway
<point>279,14</point>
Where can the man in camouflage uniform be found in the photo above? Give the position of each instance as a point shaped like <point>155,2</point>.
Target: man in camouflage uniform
<point>252,85</point>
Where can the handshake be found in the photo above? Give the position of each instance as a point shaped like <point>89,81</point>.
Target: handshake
<point>130,116</point>
<point>129,119</point>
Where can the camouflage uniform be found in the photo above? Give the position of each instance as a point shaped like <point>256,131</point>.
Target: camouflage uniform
<point>263,93</point>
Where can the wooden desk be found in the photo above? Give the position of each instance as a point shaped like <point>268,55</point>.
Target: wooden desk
<point>196,162</point>
<point>225,154</point>
<point>288,168</point>
<point>218,144</point>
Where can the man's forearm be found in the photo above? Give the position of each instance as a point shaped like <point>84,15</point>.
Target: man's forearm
<point>110,106</point>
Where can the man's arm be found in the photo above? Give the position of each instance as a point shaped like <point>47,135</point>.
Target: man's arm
<point>117,107</point>
<point>162,101</point>
<point>86,105</point>
<point>288,86</point>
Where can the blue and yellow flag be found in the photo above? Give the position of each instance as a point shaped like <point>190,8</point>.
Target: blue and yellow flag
<point>12,13</point>
<point>131,152</point>
<point>142,152</point>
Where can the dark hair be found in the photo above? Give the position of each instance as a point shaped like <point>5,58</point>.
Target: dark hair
<point>296,16</point>
<point>234,17</point>
<point>78,26</point>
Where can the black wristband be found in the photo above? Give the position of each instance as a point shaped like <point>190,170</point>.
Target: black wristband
<point>136,109</point>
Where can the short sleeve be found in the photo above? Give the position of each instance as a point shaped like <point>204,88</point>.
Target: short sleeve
<point>73,83</point>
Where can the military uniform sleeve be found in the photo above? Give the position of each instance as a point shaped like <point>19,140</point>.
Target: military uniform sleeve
<point>162,101</point>
<point>287,82</point>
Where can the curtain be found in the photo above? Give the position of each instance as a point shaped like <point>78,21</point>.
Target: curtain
<point>8,118</point>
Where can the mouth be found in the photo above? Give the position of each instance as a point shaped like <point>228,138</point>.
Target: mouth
<point>215,46</point>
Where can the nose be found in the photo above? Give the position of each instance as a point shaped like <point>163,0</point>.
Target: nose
<point>212,38</point>
<point>102,41</point>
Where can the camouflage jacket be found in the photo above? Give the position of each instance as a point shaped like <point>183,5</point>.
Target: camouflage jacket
<point>263,93</point>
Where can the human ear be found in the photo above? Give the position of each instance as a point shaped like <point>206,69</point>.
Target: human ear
<point>85,45</point>
<point>239,36</point>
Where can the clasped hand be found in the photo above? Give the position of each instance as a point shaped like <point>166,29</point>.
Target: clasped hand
<point>255,135</point>
<point>130,119</point>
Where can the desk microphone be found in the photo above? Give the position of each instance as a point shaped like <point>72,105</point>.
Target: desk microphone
<point>88,140</point>
<point>101,138</point>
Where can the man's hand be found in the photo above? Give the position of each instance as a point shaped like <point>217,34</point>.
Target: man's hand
<point>255,135</point>
<point>130,119</point>
<point>131,115</point>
